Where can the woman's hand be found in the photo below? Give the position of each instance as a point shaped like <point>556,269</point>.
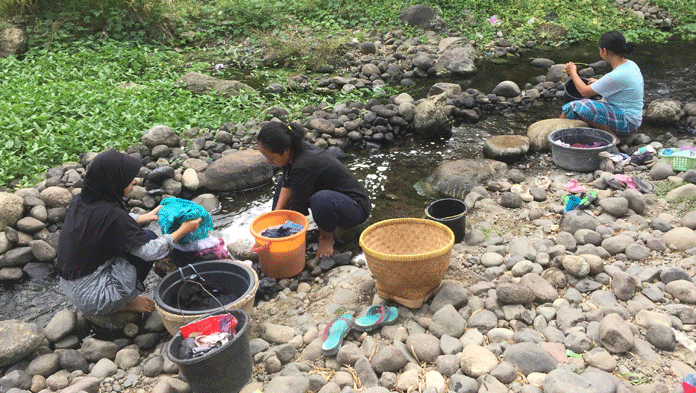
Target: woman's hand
<point>185,229</point>
<point>591,81</point>
<point>570,68</point>
<point>150,216</point>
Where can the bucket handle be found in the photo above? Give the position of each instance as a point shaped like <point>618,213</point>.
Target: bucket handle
<point>443,218</point>
<point>260,247</point>
<point>190,279</point>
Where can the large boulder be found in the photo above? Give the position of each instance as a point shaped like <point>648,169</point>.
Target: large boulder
<point>458,60</point>
<point>17,340</point>
<point>663,111</point>
<point>507,148</point>
<point>538,133</point>
<point>160,135</point>
<point>455,179</point>
<point>13,41</point>
<point>201,84</point>
<point>238,171</point>
<point>507,89</point>
<point>430,119</point>
<point>11,209</point>
<point>419,15</point>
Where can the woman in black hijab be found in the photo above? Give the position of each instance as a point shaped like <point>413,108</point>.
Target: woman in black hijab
<point>104,254</point>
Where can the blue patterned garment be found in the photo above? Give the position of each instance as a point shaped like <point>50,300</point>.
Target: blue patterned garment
<point>176,211</point>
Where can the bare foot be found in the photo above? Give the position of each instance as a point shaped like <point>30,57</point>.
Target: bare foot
<point>326,242</point>
<point>140,304</point>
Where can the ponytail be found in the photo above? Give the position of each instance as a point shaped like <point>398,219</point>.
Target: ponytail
<point>628,47</point>
<point>277,137</point>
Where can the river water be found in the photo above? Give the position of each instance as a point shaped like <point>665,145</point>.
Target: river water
<point>389,176</point>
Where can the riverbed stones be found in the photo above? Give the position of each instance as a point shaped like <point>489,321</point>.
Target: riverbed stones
<point>17,340</point>
<point>238,171</point>
<point>454,179</point>
<point>430,119</point>
<point>13,41</point>
<point>507,89</point>
<point>459,61</point>
<point>682,238</point>
<point>476,361</point>
<point>615,334</point>
<point>663,111</point>
<point>11,209</point>
<point>538,132</point>
<point>419,15</point>
<point>529,357</point>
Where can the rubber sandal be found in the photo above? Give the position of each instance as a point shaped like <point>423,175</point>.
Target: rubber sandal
<point>571,202</point>
<point>574,187</point>
<point>643,185</point>
<point>615,184</point>
<point>522,191</point>
<point>627,180</point>
<point>335,332</point>
<point>375,317</point>
<point>587,198</point>
<point>542,182</point>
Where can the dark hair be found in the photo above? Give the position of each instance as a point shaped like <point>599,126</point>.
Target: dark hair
<point>616,42</point>
<point>277,137</point>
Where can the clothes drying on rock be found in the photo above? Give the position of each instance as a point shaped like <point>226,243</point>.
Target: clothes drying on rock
<point>283,230</point>
<point>176,211</point>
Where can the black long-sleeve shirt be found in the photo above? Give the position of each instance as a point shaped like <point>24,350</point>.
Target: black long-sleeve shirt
<point>314,169</point>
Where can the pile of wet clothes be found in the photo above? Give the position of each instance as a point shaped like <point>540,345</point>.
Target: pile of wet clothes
<point>206,249</point>
<point>214,332</point>
<point>283,230</point>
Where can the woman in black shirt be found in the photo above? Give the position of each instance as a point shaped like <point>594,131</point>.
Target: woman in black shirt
<point>313,179</point>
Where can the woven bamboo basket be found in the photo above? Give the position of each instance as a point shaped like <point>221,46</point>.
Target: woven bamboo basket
<point>408,258</point>
<point>173,322</point>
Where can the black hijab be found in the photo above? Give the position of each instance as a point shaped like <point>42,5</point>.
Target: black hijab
<point>97,226</point>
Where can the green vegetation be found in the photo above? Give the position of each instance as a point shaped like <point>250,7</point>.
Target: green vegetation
<point>61,97</point>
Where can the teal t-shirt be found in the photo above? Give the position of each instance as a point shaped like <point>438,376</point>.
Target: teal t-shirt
<point>623,87</point>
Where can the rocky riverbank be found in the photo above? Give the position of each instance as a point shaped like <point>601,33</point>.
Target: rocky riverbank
<point>598,300</point>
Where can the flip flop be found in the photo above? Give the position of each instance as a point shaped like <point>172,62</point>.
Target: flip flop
<point>627,180</point>
<point>571,202</point>
<point>542,182</point>
<point>643,185</point>
<point>335,332</point>
<point>587,198</point>
<point>574,187</point>
<point>375,317</point>
<point>614,184</point>
<point>522,191</point>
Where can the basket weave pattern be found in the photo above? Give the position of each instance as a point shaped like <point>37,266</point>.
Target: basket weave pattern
<point>678,163</point>
<point>408,258</point>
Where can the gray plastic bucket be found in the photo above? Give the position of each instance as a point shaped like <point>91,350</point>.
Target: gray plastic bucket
<point>578,158</point>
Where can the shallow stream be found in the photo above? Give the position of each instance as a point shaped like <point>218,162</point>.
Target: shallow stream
<point>668,70</point>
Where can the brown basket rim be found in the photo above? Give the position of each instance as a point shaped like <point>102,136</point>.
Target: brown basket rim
<point>406,258</point>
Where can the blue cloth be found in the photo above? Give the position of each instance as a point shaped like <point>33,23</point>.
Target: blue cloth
<point>283,230</point>
<point>600,112</point>
<point>690,379</point>
<point>176,211</point>
<point>623,88</point>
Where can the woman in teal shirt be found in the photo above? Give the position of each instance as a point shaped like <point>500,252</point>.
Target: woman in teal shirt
<point>622,89</point>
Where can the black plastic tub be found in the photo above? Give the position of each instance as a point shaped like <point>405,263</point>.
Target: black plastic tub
<point>571,92</point>
<point>223,370</point>
<point>578,158</point>
<point>450,212</point>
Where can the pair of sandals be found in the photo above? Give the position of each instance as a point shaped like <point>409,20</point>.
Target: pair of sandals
<point>337,330</point>
<point>583,201</point>
<point>621,182</point>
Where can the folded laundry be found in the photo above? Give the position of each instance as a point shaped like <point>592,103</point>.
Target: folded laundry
<point>283,230</point>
